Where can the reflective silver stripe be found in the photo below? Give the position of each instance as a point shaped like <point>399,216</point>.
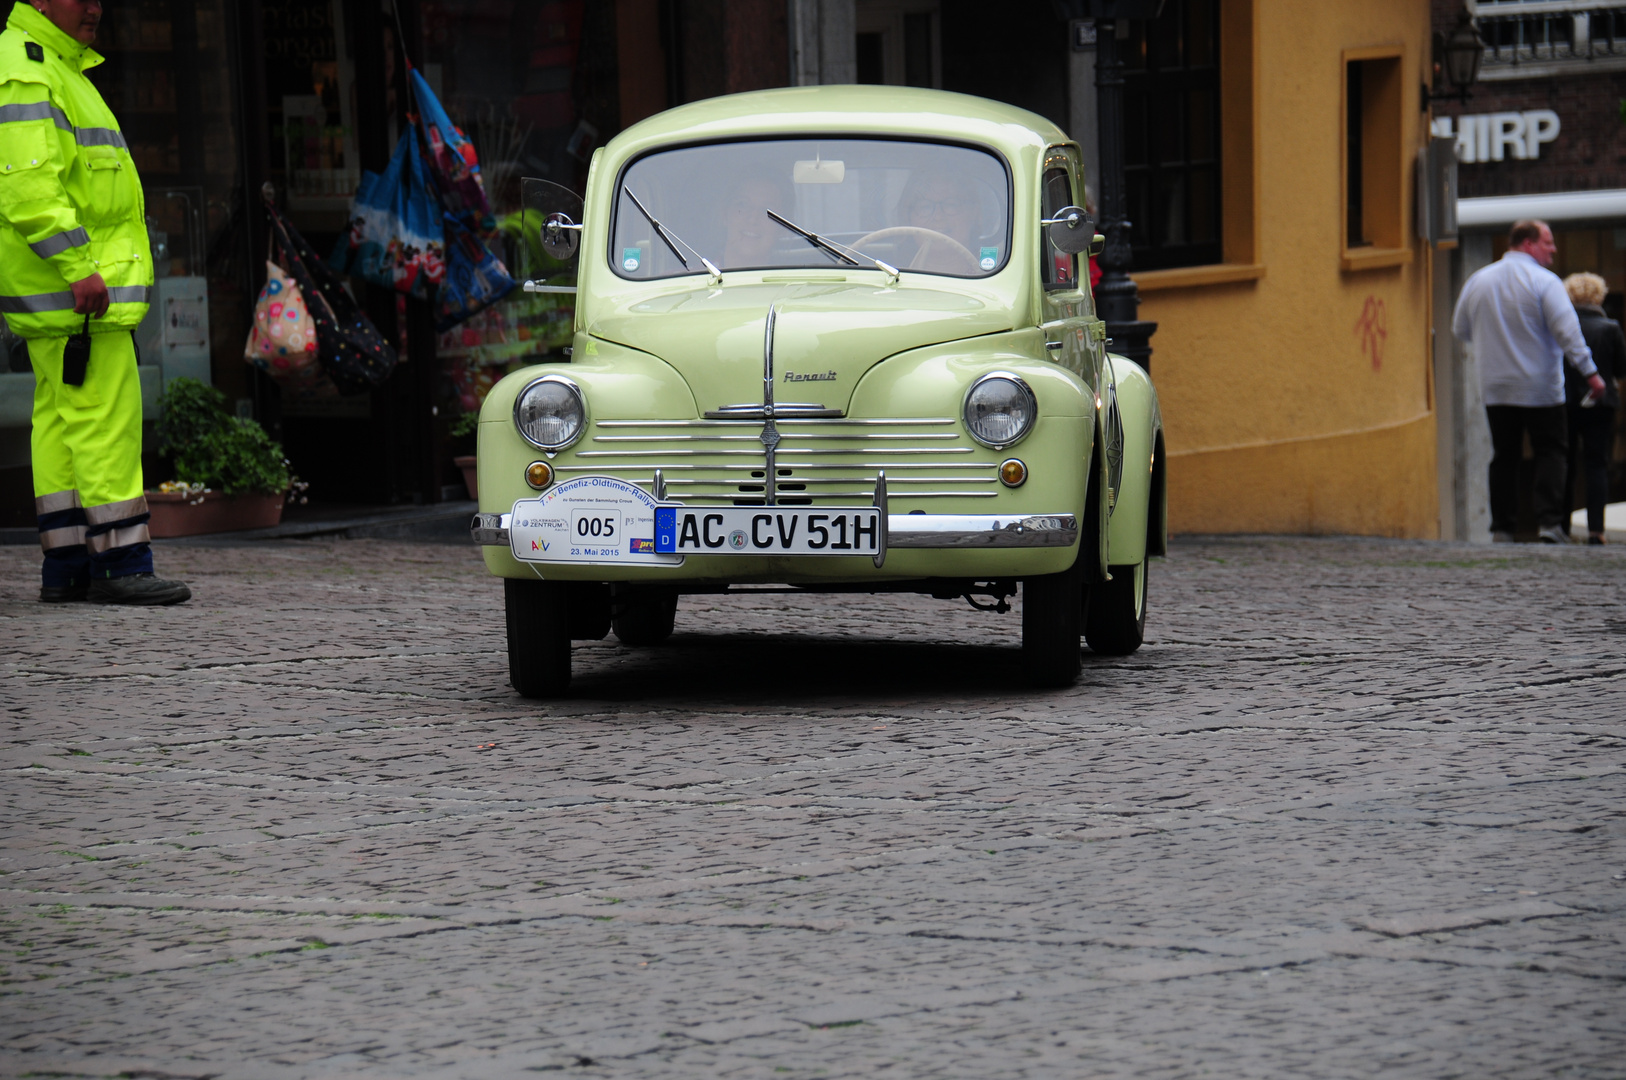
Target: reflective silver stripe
<point>39,302</point>
<point>38,110</point>
<point>62,241</point>
<point>133,534</point>
<point>67,536</point>
<point>63,301</point>
<point>100,137</point>
<point>57,500</point>
<point>116,511</point>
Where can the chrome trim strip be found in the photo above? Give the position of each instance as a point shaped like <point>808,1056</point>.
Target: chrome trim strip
<point>753,438</point>
<point>799,465</point>
<point>981,530</point>
<point>913,421</point>
<point>752,453</point>
<point>903,530</point>
<point>489,530</point>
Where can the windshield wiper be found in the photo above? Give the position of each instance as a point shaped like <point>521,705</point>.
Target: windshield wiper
<point>839,250</point>
<point>669,237</point>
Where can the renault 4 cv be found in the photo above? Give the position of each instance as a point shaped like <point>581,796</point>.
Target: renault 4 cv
<point>834,339</point>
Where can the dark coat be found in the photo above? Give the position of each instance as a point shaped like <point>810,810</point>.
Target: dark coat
<point>1608,345</point>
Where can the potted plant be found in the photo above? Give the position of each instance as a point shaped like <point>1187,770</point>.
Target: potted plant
<point>462,432</point>
<point>229,475</point>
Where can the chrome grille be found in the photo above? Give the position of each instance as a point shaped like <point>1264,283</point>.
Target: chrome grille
<point>818,461</point>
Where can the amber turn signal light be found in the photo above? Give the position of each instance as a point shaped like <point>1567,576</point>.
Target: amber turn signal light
<point>539,474</point>
<point>1012,473</point>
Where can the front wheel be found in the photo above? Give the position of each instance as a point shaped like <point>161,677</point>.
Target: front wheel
<point>1116,623</point>
<point>538,636</point>
<point>1051,616</point>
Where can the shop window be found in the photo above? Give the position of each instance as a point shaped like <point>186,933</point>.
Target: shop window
<point>1173,135</point>
<point>1373,175</point>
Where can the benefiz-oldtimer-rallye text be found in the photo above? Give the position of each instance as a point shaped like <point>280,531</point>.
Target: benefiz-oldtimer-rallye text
<point>828,338</point>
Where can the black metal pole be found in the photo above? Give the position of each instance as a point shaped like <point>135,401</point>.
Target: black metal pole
<point>1116,297</point>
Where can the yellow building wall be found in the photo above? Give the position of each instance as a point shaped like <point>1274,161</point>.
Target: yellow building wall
<point>1297,400</point>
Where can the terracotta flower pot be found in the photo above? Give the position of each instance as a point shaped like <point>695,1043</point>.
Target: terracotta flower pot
<point>174,514</point>
<point>471,479</point>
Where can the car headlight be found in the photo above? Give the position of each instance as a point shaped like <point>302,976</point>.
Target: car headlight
<point>550,413</point>
<point>999,409</point>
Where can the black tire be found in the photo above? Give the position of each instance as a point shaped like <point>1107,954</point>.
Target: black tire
<point>644,616</point>
<point>1116,621</point>
<point>538,636</point>
<point>1052,616</point>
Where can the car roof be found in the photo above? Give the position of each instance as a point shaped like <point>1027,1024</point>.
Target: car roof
<point>855,110</point>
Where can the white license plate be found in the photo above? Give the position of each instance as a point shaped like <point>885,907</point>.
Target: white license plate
<point>768,530</point>
<point>591,519</point>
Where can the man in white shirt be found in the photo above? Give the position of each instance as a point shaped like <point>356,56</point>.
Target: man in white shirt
<point>1523,327</point>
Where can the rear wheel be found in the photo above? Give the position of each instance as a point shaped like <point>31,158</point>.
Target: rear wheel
<point>644,616</point>
<point>1116,622</point>
<point>538,636</point>
<point>1051,620</point>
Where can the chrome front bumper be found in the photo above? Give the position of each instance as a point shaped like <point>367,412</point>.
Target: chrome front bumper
<point>904,530</point>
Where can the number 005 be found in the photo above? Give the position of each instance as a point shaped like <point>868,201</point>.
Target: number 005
<point>595,526</point>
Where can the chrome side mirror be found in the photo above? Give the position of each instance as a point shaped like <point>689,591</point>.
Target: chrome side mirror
<point>561,236</point>
<point>1072,230</point>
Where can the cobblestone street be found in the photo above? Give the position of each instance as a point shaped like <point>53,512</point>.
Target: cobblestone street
<point>1356,809</point>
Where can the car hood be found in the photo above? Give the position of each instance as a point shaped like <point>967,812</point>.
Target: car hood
<point>826,335</point>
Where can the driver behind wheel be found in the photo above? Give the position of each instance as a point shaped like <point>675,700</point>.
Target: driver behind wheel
<point>949,206</point>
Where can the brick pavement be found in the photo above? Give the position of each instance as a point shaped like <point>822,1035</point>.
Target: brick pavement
<point>1355,810</point>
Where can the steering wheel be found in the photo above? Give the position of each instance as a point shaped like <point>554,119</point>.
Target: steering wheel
<point>933,251</point>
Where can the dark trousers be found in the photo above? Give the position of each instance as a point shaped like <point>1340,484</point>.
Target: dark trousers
<point>1591,432</point>
<point>1548,438</point>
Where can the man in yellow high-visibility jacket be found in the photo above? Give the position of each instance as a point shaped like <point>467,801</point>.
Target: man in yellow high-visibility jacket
<point>74,256</point>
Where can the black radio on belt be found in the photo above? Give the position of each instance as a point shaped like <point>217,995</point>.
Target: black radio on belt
<point>76,356</point>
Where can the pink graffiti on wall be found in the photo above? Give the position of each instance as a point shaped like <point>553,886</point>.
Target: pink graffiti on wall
<point>1372,328</point>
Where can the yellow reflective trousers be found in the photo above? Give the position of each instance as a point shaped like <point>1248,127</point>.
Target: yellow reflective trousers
<point>87,462</point>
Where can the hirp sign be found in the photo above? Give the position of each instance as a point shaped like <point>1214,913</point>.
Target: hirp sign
<point>1500,135</point>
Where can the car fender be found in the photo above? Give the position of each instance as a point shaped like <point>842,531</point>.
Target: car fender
<point>617,383</point>
<point>1136,509</point>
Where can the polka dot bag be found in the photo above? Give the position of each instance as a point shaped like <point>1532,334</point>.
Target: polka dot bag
<point>283,341</point>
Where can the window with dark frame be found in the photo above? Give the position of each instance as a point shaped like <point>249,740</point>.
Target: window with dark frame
<point>1374,159</point>
<point>1059,269</point>
<point>1354,226</point>
<point>1172,136</point>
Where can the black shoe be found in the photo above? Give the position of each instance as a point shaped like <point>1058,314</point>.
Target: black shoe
<point>61,594</point>
<point>143,589</point>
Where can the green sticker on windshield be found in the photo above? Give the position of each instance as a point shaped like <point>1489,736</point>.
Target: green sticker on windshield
<point>990,258</point>
<point>630,258</point>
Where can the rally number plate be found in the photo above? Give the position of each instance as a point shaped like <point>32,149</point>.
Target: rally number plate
<point>768,530</point>
<point>591,519</point>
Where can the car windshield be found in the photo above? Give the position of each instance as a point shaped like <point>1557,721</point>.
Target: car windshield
<point>926,207</point>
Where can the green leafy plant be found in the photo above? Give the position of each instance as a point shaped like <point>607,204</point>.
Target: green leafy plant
<point>210,446</point>
<point>465,425</point>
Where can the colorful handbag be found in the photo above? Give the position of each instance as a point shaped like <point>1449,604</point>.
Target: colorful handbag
<point>354,354</point>
<point>282,342</point>
<point>393,237</point>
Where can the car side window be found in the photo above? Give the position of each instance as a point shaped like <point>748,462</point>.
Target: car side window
<point>1059,269</point>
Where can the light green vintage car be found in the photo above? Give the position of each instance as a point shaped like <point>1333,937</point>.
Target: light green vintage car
<point>833,339</point>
